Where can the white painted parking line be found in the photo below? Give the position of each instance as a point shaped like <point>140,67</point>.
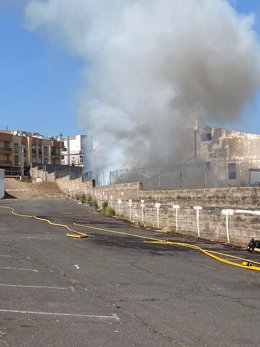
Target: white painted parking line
<point>16,268</point>
<point>40,238</point>
<point>6,256</point>
<point>39,287</point>
<point>91,316</point>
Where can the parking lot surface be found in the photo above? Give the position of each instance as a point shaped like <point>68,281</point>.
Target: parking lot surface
<point>112,289</point>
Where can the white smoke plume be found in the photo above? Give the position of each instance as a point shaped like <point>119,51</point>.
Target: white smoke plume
<point>152,67</point>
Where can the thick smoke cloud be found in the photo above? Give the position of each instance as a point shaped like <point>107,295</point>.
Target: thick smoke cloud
<point>152,68</point>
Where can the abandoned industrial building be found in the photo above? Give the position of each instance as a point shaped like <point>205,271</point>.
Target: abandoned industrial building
<point>231,156</point>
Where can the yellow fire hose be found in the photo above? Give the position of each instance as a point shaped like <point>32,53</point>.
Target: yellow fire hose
<point>244,263</point>
<point>75,233</point>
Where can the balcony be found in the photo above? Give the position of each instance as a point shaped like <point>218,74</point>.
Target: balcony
<point>6,162</point>
<point>6,150</point>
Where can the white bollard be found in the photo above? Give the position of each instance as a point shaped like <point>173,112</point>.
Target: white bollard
<point>227,212</point>
<point>157,206</point>
<point>142,210</point>
<point>119,206</point>
<point>130,202</point>
<point>176,207</point>
<point>197,209</point>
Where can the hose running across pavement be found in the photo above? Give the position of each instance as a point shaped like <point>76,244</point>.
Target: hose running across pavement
<point>75,233</point>
<point>246,263</point>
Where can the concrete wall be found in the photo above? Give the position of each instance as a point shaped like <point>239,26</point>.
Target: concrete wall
<point>225,147</point>
<point>2,184</point>
<point>212,224</point>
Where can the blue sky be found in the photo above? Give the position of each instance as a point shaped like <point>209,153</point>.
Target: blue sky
<point>40,82</point>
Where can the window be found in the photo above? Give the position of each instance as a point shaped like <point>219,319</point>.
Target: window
<point>16,160</point>
<point>205,137</point>
<point>16,148</point>
<point>232,175</point>
<point>6,146</point>
<point>207,165</point>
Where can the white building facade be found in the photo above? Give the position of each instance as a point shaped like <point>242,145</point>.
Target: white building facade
<point>77,150</point>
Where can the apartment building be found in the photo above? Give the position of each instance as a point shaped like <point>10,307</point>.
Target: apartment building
<point>20,149</point>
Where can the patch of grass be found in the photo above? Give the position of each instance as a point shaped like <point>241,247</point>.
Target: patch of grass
<point>109,211</point>
<point>89,197</point>
<point>77,196</point>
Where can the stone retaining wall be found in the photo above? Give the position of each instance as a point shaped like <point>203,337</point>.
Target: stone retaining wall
<point>211,223</point>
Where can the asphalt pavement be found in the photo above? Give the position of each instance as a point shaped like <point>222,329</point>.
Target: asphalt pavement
<point>112,289</point>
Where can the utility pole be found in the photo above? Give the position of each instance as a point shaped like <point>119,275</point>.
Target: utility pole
<point>22,169</point>
<point>68,150</point>
<point>60,146</point>
<point>195,128</point>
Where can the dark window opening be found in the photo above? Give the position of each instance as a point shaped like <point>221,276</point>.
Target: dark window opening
<point>232,175</point>
<point>207,165</point>
<point>16,148</point>
<point>205,137</point>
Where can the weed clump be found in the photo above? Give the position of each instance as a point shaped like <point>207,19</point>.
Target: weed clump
<point>109,211</point>
<point>104,206</point>
<point>95,205</point>
<point>83,198</point>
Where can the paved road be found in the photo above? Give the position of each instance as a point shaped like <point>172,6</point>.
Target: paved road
<point>113,290</point>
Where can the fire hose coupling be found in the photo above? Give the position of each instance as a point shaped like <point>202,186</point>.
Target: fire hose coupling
<point>247,263</point>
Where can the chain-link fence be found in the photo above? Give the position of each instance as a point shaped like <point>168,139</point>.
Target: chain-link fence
<point>185,176</point>
<point>190,175</point>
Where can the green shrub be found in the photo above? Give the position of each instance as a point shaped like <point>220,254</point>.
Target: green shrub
<point>89,198</point>
<point>77,196</point>
<point>104,206</point>
<point>95,205</point>
<point>83,198</point>
<point>109,211</point>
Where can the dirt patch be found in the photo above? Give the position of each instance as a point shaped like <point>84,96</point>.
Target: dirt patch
<point>15,188</point>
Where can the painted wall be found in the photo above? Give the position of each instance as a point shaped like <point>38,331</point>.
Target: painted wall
<point>2,184</point>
